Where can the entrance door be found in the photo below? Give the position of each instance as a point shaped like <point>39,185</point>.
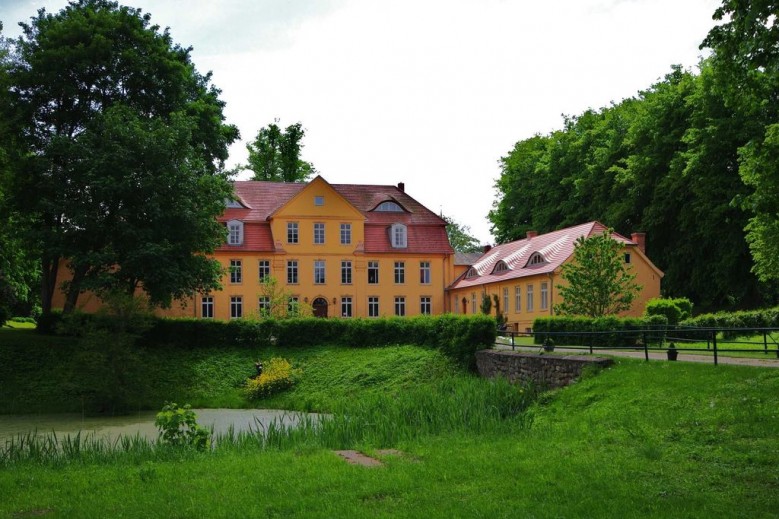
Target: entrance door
<point>320,307</point>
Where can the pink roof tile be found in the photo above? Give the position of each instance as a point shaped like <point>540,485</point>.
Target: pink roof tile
<point>555,247</point>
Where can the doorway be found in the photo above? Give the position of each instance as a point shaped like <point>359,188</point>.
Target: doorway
<point>320,307</point>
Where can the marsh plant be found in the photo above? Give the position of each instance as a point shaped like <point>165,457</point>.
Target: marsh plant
<point>179,428</point>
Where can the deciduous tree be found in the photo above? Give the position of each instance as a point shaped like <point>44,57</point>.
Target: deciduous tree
<point>274,155</point>
<point>459,237</point>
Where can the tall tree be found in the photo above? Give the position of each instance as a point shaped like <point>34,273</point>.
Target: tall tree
<point>460,238</point>
<point>274,155</point>
<point>598,282</point>
<point>126,144</point>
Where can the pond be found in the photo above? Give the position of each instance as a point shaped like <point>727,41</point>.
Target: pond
<point>141,423</point>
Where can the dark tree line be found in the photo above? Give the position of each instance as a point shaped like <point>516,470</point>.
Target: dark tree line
<point>691,161</point>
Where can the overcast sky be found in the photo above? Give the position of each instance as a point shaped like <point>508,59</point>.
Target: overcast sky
<point>427,92</point>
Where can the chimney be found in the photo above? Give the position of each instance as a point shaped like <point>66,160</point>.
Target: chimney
<point>640,239</point>
<point>532,234</point>
<point>402,187</point>
<point>487,248</point>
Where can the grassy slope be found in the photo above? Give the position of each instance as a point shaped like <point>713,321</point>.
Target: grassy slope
<point>641,439</point>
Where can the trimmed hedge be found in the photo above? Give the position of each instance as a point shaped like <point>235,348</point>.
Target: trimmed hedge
<point>747,321</point>
<point>457,336</point>
<point>674,309</point>
<point>623,332</point>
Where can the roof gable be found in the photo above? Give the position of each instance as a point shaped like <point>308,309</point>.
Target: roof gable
<point>306,202</point>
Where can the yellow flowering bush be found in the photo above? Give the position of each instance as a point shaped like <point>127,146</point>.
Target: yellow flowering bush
<point>277,375</point>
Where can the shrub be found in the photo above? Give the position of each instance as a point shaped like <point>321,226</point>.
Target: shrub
<point>674,310</point>
<point>277,375</point>
<point>179,428</point>
<point>741,324</point>
<point>600,331</point>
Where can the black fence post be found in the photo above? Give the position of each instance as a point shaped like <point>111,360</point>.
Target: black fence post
<point>765,342</point>
<point>512,340</point>
<point>714,343</point>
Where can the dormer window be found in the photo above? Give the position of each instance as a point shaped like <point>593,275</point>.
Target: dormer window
<point>535,259</point>
<point>398,236</point>
<point>389,207</point>
<point>500,267</point>
<point>234,232</point>
<point>472,273</point>
<point>232,204</point>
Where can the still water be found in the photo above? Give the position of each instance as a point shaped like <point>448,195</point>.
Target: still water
<point>140,423</point>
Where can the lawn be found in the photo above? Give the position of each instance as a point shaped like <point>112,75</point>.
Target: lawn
<point>639,439</point>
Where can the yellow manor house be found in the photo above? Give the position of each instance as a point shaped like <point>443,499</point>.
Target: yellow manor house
<point>352,250</point>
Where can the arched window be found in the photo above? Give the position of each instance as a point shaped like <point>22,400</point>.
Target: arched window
<point>535,259</point>
<point>500,267</point>
<point>235,232</point>
<point>398,236</point>
<point>233,204</point>
<point>472,273</point>
<point>389,207</point>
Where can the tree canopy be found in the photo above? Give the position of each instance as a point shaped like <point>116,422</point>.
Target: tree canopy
<point>274,155</point>
<point>124,145</point>
<point>459,237</point>
<point>598,283</point>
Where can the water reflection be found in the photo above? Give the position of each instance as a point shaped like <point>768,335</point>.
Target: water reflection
<point>141,423</point>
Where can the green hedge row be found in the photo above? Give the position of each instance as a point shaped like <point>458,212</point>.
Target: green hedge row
<point>459,337</point>
<point>623,332</point>
<point>675,310</point>
<point>747,321</point>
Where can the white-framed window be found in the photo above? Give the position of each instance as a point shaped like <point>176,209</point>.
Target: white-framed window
<point>472,273</point>
<point>544,296</point>
<point>293,234</point>
<point>536,259</point>
<point>293,306</point>
<point>400,272</point>
<point>424,272</point>
<point>505,299</point>
<point>263,269</point>
<point>263,304</point>
<point>207,307</point>
<point>473,302</point>
<point>319,200</point>
<point>236,307</point>
<point>400,306</point>
<point>529,305</point>
<point>373,272</point>
<point>346,234</point>
<point>425,305</point>
<point>292,272</point>
<point>319,272</point>
<point>389,207</point>
<point>346,306</point>
<point>232,204</point>
<point>517,299</point>
<point>373,306</point>
<point>234,232</point>
<point>398,236</point>
<point>236,271</point>
<point>500,267</point>
<point>319,233</point>
<point>455,305</point>
<point>346,272</point>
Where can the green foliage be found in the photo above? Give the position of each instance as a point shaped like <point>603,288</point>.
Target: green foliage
<point>459,237</point>
<point>274,155</point>
<point>674,310</point>
<point>598,283</point>
<point>486,304</point>
<point>179,428</point>
<point>747,322</point>
<point>602,331</point>
<point>277,375</point>
<point>124,179</point>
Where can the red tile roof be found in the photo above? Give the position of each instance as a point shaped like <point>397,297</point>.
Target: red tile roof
<point>555,247</point>
<point>426,230</point>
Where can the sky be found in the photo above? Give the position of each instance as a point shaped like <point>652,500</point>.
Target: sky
<point>431,93</point>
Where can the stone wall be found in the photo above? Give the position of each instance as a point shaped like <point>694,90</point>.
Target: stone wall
<point>547,371</point>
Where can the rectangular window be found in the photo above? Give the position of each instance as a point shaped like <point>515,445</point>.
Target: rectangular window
<point>373,306</point>
<point>264,306</point>
<point>319,272</point>
<point>319,233</point>
<point>544,296</point>
<point>473,302</point>
<point>346,233</point>
<point>319,200</point>
<point>373,272</point>
<point>400,272</point>
<point>236,307</point>
<point>455,306</point>
<point>292,272</point>
<point>235,271</point>
<point>207,307</point>
<point>505,308</point>
<point>517,299</point>
<point>264,270</point>
<point>234,236</point>
<point>346,307</point>
<point>346,272</point>
<point>529,305</point>
<point>292,232</point>
<point>424,272</point>
<point>425,305</point>
<point>293,306</point>
<point>627,257</point>
<point>400,306</point>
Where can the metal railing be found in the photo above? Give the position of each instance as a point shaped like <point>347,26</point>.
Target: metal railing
<point>662,339</point>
